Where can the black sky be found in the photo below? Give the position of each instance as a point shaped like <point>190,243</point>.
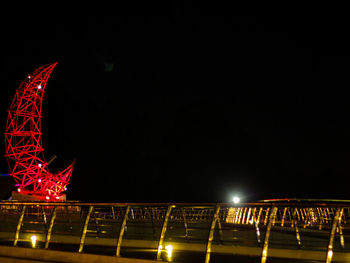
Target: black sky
<point>190,105</point>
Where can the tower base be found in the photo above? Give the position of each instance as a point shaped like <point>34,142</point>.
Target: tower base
<point>32,197</point>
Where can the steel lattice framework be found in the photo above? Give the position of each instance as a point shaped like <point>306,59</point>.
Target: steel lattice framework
<point>23,139</point>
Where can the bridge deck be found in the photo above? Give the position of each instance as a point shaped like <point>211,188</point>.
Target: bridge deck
<point>294,230</point>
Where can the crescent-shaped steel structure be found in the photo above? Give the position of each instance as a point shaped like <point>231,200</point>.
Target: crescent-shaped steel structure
<point>23,140</point>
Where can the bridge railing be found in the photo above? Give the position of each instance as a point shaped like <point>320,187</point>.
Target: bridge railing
<point>315,230</point>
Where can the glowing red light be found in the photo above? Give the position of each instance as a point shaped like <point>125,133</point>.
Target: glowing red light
<point>23,139</point>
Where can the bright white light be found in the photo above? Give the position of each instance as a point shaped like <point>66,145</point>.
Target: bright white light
<point>39,86</point>
<point>39,180</point>
<point>330,254</point>
<point>33,238</point>
<point>169,251</point>
<point>40,165</point>
<point>236,199</point>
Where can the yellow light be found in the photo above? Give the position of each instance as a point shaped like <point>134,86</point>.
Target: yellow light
<point>33,238</point>
<point>169,251</point>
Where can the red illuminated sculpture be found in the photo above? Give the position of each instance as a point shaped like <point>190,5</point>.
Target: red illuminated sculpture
<point>23,138</point>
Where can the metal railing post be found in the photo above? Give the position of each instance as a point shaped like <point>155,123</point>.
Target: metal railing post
<point>211,233</point>
<point>267,234</point>
<point>83,233</point>
<point>162,234</point>
<point>44,214</point>
<point>19,225</point>
<point>49,231</point>
<point>341,240</point>
<point>259,214</point>
<point>336,220</point>
<point>244,214</point>
<point>248,216</point>
<point>113,213</point>
<point>185,221</point>
<point>121,232</point>
<point>284,216</point>
<point>266,215</point>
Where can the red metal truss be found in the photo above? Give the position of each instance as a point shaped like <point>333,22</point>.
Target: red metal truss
<point>23,139</point>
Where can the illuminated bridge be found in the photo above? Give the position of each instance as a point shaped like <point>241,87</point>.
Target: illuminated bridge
<point>270,231</point>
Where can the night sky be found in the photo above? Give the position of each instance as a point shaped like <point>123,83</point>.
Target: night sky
<point>189,104</point>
